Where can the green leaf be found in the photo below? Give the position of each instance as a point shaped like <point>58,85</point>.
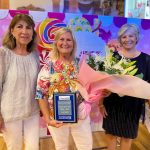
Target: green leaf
<point>131,63</point>
<point>140,75</point>
<point>133,72</point>
<point>130,68</point>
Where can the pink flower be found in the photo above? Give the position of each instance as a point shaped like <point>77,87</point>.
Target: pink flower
<point>43,84</point>
<point>58,66</point>
<point>114,45</point>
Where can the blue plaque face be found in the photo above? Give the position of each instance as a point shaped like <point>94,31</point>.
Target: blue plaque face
<point>65,107</point>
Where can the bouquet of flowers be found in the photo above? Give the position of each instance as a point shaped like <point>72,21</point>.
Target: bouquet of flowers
<point>111,73</point>
<point>111,64</point>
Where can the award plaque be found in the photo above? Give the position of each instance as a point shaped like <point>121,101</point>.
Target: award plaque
<point>65,107</point>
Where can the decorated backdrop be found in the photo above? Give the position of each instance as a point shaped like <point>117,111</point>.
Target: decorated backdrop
<point>92,32</point>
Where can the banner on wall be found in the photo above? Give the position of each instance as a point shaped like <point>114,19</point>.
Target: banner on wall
<point>92,32</point>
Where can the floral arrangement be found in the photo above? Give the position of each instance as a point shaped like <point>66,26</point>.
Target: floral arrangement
<point>114,45</point>
<point>111,63</point>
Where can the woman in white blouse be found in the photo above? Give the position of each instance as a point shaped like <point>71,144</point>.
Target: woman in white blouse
<point>19,66</point>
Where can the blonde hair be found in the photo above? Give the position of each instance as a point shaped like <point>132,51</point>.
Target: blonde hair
<point>55,52</point>
<point>127,27</point>
<point>10,42</point>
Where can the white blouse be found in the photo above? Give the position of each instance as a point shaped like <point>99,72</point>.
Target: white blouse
<point>18,75</point>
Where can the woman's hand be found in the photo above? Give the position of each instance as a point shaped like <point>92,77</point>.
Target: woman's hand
<point>54,123</point>
<point>105,93</point>
<point>2,127</point>
<point>103,110</point>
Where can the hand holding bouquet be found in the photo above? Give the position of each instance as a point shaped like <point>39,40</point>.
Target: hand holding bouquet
<point>116,75</point>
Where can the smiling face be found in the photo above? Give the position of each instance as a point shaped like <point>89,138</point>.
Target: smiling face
<point>128,40</point>
<point>65,44</point>
<point>22,32</point>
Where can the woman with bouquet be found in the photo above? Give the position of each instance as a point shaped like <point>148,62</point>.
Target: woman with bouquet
<point>58,75</point>
<point>122,113</point>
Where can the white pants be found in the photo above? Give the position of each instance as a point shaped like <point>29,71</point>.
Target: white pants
<point>29,128</point>
<point>81,133</point>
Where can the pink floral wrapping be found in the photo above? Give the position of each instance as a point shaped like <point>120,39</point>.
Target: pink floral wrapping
<point>120,84</point>
<point>94,81</point>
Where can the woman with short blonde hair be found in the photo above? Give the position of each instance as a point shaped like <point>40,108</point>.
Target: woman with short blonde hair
<point>122,114</point>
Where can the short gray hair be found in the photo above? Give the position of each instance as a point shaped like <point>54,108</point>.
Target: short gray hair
<point>127,27</point>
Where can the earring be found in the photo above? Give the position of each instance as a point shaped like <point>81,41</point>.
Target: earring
<point>11,35</point>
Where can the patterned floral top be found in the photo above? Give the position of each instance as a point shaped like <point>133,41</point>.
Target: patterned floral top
<point>55,76</point>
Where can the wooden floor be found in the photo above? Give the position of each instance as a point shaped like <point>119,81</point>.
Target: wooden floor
<point>141,143</point>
